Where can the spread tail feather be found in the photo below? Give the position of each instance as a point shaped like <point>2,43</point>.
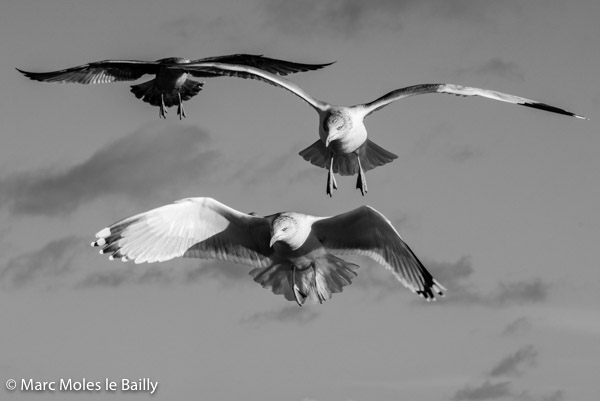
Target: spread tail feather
<point>328,275</point>
<point>371,156</point>
<point>150,93</point>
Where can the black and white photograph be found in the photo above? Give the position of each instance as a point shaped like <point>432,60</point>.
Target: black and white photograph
<point>300,200</point>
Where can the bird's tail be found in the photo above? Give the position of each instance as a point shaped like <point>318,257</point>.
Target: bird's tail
<point>328,275</point>
<point>371,156</point>
<point>150,93</point>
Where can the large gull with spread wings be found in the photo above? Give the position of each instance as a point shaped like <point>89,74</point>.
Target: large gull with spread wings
<point>293,254</point>
<point>343,146</point>
<point>170,87</point>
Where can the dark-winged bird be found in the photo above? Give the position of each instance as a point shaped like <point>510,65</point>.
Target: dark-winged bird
<point>170,87</point>
<point>293,254</point>
<point>343,146</point>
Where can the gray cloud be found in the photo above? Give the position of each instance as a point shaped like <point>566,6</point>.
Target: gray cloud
<point>51,263</point>
<point>486,391</point>
<point>496,66</point>
<point>289,313</point>
<point>517,326</point>
<point>515,293</point>
<point>513,364</point>
<point>491,391</point>
<point>227,274</point>
<point>454,276</point>
<point>252,172</point>
<point>464,154</point>
<point>70,262</point>
<point>345,17</point>
<point>148,161</point>
<point>349,18</point>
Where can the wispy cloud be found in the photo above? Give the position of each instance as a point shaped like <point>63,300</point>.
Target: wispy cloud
<point>227,274</point>
<point>495,66</point>
<point>70,262</point>
<point>289,313</point>
<point>517,326</point>
<point>345,17</point>
<point>486,391</point>
<point>349,18</point>
<point>513,364</point>
<point>454,276</point>
<point>49,264</point>
<point>498,66</point>
<point>148,161</point>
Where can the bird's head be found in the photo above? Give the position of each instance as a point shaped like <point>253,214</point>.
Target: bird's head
<point>336,125</point>
<point>283,228</point>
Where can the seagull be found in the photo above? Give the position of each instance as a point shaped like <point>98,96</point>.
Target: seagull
<point>170,87</point>
<point>343,146</point>
<point>293,254</point>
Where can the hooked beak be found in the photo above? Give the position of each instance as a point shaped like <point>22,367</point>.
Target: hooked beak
<point>274,239</point>
<point>328,141</point>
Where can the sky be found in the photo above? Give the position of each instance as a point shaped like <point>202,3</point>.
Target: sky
<point>500,202</point>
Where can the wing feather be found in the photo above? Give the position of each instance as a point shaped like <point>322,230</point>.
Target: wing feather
<point>246,72</point>
<point>460,91</point>
<point>97,72</point>
<point>192,227</point>
<point>365,231</point>
<point>274,66</point>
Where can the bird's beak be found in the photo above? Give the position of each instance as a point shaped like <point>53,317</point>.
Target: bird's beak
<point>274,239</point>
<point>328,141</point>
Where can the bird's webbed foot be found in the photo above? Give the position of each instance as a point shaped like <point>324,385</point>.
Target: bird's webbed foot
<point>162,113</point>
<point>331,183</point>
<point>180,109</point>
<point>319,290</point>
<point>298,295</point>
<point>361,181</point>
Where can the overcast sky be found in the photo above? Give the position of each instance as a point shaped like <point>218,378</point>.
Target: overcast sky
<point>500,202</point>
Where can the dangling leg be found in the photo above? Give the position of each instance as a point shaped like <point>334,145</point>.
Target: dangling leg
<point>300,298</point>
<point>361,182</point>
<point>180,109</point>
<point>316,286</point>
<point>163,110</point>
<point>331,184</point>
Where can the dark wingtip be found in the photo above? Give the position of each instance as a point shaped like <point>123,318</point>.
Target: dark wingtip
<point>553,109</point>
<point>326,64</point>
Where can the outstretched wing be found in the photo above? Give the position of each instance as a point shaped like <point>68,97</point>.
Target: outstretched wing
<point>98,72</point>
<point>192,227</point>
<point>365,231</point>
<point>460,91</point>
<point>274,66</point>
<point>241,71</point>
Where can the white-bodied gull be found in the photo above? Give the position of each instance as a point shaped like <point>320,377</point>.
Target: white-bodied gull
<point>293,254</point>
<point>343,146</point>
<point>169,87</point>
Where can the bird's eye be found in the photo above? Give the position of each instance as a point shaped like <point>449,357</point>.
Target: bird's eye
<point>284,229</point>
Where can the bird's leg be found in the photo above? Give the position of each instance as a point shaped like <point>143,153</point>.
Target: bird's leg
<point>320,296</point>
<point>163,110</point>
<point>295,288</point>
<point>361,182</point>
<point>331,184</point>
<point>180,109</point>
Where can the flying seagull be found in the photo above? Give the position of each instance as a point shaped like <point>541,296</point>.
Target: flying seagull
<point>293,254</point>
<point>170,87</point>
<point>343,146</point>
